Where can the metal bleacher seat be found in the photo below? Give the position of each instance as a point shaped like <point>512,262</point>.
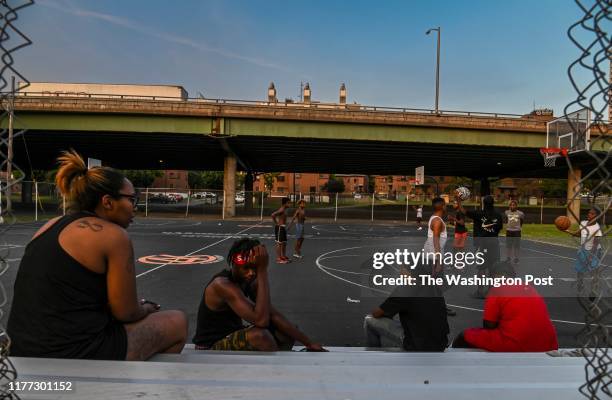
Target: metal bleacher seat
<point>343,373</point>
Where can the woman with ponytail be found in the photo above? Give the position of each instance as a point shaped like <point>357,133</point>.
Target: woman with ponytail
<point>75,292</point>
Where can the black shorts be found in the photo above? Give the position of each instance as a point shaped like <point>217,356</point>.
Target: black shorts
<point>280,233</point>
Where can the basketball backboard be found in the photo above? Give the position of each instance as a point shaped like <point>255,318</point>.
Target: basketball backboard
<point>419,175</point>
<point>570,132</point>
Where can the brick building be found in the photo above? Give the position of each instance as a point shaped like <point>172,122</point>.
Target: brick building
<point>284,183</point>
<point>172,179</point>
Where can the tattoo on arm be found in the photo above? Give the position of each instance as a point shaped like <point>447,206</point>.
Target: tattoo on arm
<point>91,225</point>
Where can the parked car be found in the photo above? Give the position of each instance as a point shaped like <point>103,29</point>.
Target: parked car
<point>357,196</point>
<point>163,198</point>
<point>177,196</point>
<point>239,197</point>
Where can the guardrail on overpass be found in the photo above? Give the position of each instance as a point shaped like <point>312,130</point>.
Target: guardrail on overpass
<point>229,108</point>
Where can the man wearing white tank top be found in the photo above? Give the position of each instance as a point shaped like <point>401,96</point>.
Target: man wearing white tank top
<point>436,239</point>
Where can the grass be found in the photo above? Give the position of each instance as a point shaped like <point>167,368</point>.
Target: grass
<point>549,233</point>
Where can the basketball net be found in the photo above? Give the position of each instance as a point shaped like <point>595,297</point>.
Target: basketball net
<point>550,155</point>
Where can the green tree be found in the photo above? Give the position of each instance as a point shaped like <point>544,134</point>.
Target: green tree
<point>205,180</point>
<point>554,187</point>
<point>371,183</point>
<point>334,185</point>
<point>269,179</point>
<point>142,177</point>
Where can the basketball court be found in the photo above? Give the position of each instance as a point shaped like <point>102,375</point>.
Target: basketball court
<point>328,292</point>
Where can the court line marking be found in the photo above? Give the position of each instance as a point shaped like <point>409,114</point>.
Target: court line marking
<point>346,272</point>
<point>195,251</point>
<point>347,255</point>
<point>323,268</point>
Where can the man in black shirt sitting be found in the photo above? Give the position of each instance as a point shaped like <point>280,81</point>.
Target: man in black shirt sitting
<point>422,324</point>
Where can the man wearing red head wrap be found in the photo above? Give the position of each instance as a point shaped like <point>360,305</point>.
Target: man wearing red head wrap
<point>239,294</point>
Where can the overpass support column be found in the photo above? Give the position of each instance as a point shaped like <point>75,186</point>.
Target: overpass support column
<point>485,187</point>
<point>573,194</point>
<point>248,191</point>
<point>229,186</point>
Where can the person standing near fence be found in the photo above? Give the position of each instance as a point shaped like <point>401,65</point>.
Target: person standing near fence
<point>419,216</point>
<point>590,252</point>
<point>300,216</point>
<point>514,222</point>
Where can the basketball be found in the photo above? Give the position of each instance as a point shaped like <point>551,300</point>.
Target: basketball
<point>463,193</point>
<point>562,223</point>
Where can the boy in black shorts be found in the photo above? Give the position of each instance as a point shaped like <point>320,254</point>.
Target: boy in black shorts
<point>280,231</point>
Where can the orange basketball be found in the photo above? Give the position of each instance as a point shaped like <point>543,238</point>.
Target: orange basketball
<point>562,223</point>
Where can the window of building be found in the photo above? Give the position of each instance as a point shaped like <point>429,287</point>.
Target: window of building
<point>280,178</point>
<point>298,175</point>
<point>280,190</point>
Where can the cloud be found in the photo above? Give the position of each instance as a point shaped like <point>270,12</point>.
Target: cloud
<point>168,37</point>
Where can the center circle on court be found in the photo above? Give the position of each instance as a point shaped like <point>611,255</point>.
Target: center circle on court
<point>168,259</point>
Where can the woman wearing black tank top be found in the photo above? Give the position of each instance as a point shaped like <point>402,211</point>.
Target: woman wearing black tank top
<point>75,292</point>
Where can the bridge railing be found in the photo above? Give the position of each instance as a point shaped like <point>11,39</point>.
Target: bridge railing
<point>280,104</point>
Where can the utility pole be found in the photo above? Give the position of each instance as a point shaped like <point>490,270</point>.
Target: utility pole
<point>9,163</point>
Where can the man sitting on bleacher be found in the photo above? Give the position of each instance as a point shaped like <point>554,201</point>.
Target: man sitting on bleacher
<point>515,319</point>
<point>422,325</point>
<point>242,293</point>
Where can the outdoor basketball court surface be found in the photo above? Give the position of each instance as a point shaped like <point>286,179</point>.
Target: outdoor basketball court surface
<point>328,291</point>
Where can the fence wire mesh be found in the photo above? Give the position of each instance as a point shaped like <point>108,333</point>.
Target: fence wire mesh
<point>589,35</point>
<point>11,40</point>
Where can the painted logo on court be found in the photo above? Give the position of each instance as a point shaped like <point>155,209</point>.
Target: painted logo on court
<point>168,259</point>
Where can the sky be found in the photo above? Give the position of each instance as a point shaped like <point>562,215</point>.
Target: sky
<point>496,56</point>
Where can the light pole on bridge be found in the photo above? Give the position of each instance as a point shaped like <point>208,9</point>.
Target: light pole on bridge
<point>437,66</point>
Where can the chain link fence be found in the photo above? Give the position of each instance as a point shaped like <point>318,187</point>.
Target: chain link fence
<point>39,201</point>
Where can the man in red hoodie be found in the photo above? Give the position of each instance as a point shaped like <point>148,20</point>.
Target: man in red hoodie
<point>515,319</point>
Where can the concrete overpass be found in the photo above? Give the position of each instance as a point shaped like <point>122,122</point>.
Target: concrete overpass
<point>137,133</point>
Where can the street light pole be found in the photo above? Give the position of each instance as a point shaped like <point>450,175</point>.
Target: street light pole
<point>438,30</point>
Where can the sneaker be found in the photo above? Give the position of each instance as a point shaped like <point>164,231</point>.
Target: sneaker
<point>296,255</point>
<point>450,312</point>
<point>286,259</point>
<point>419,228</point>
<point>281,261</point>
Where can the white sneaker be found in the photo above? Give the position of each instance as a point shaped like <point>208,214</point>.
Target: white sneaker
<point>297,255</point>
<point>420,228</point>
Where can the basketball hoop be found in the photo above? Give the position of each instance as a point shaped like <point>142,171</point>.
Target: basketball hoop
<point>550,155</point>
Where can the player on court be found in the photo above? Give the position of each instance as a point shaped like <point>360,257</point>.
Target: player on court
<point>590,253</point>
<point>514,222</point>
<point>280,231</point>
<point>419,216</point>
<point>300,216</point>
<point>436,239</point>
<point>488,222</point>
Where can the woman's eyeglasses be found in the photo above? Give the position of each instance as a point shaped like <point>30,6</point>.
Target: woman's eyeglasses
<point>131,197</point>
